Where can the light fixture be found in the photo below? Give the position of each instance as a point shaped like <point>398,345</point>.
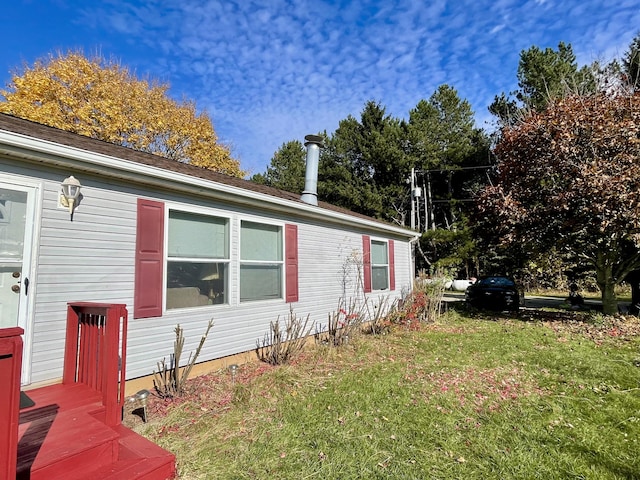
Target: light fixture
<point>234,370</point>
<point>70,193</point>
<point>211,272</point>
<point>141,397</point>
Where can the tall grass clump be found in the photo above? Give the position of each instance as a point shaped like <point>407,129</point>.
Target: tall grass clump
<point>429,293</point>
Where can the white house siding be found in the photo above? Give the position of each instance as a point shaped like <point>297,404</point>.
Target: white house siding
<point>322,250</point>
<point>89,259</point>
<point>92,259</point>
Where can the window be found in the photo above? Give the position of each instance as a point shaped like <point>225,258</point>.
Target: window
<point>261,261</point>
<point>378,261</point>
<point>197,260</point>
<point>379,265</point>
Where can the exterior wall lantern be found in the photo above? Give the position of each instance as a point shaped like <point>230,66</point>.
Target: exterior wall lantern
<point>70,193</point>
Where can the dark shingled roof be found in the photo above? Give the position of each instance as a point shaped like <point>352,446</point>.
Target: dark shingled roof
<point>44,132</point>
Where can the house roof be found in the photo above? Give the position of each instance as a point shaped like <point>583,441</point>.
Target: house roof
<point>43,144</point>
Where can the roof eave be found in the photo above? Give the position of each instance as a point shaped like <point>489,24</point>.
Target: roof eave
<point>36,150</point>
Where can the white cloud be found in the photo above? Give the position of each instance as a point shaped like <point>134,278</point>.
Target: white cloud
<point>270,71</point>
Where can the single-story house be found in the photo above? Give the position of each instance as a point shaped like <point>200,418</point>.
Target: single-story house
<point>176,244</point>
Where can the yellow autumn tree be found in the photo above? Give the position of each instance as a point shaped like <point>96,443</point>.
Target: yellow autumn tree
<point>102,99</point>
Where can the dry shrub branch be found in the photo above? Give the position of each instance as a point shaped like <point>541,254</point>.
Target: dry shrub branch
<point>342,324</point>
<point>281,344</point>
<point>168,380</point>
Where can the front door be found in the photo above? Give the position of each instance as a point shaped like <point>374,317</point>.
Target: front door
<point>17,217</point>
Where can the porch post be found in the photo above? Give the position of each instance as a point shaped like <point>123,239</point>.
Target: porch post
<point>69,372</point>
<point>10,369</point>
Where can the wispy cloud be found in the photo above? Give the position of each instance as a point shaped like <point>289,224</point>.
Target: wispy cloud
<point>269,71</point>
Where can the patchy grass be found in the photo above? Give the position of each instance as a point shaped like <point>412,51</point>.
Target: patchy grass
<point>538,396</point>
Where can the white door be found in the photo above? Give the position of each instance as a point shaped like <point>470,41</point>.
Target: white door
<point>17,220</point>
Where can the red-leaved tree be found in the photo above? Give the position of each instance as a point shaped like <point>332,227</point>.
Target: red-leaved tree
<point>569,177</point>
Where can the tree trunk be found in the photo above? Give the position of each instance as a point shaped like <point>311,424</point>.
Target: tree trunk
<point>633,278</point>
<point>606,282</point>
<point>609,300</point>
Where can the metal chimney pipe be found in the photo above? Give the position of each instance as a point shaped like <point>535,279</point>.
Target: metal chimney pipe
<point>310,193</point>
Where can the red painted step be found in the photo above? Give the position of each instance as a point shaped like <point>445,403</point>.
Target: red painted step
<point>63,436</point>
<point>139,459</point>
<point>55,444</point>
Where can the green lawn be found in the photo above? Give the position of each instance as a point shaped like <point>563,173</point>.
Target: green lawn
<point>464,398</point>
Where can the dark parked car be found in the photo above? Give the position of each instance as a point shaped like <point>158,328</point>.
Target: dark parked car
<point>495,293</point>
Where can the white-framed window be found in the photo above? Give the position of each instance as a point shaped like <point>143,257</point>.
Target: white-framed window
<point>197,259</point>
<point>261,261</point>
<point>379,265</point>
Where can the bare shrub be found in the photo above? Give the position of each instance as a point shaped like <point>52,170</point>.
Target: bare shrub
<point>379,323</point>
<point>342,325</point>
<point>281,344</point>
<point>168,380</point>
<point>421,305</point>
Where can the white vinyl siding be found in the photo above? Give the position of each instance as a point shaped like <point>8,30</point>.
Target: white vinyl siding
<point>92,259</point>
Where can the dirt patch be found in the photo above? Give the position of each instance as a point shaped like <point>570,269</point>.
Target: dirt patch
<point>211,393</point>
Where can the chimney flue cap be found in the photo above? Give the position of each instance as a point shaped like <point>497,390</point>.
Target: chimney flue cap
<point>317,139</point>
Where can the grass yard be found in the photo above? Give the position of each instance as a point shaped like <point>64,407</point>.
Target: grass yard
<point>479,397</point>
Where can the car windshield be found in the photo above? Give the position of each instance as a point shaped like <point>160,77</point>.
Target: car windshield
<point>496,282</point>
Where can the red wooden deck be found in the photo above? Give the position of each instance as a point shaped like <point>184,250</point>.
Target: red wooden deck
<point>64,436</point>
<point>73,430</point>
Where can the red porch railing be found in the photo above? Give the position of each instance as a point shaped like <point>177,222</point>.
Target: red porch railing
<point>10,366</point>
<point>95,352</point>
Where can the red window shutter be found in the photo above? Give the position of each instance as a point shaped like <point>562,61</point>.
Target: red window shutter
<point>392,266</point>
<point>291,262</point>
<point>366,262</point>
<point>147,297</point>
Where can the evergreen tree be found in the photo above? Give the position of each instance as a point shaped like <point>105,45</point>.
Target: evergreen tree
<point>542,75</point>
<point>287,168</point>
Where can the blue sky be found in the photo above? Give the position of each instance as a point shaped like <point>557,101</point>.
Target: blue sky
<point>271,71</point>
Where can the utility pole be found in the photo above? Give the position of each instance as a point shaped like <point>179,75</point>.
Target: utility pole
<point>429,201</point>
<point>416,193</point>
<point>413,203</point>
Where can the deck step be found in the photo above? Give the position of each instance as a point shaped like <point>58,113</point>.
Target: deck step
<point>62,436</point>
<point>56,444</point>
<point>67,397</point>
<point>139,459</point>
